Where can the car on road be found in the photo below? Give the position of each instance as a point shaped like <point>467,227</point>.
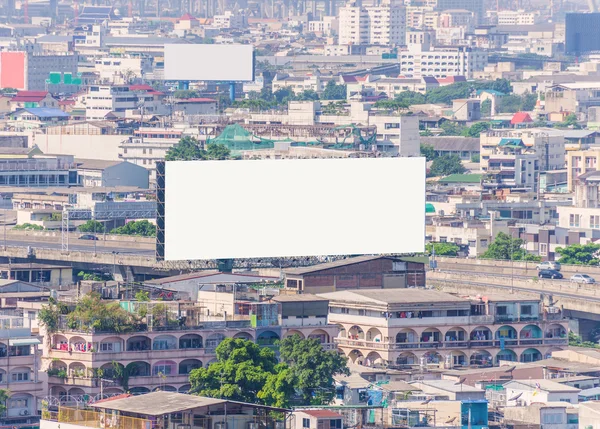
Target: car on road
<point>582,278</point>
<point>88,237</point>
<point>549,274</point>
<point>549,265</point>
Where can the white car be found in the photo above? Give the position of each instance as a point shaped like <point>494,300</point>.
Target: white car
<point>549,265</point>
<point>582,278</point>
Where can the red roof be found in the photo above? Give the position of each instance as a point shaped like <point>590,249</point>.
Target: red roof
<point>197,100</point>
<point>521,118</point>
<point>322,414</point>
<point>29,96</point>
<point>112,398</point>
<point>187,17</point>
<point>143,87</point>
<point>452,79</point>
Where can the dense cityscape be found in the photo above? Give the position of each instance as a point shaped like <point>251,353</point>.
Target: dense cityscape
<point>151,149</point>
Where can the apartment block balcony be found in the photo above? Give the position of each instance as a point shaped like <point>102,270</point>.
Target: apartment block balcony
<point>451,345</point>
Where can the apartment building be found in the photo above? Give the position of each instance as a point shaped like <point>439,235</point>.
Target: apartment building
<point>515,17</point>
<point>582,220</point>
<point>372,25</point>
<point>457,18</point>
<point>299,84</point>
<point>415,327</point>
<point>87,361</point>
<point>28,167</point>
<point>119,70</point>
<point>19,365</point>
<point>122,101</point>
<point>29,70</point>
<point>229,20</point>
<point>572,97</point>
<point>547,144</point>
<point>580,162</point>
<point>441,62</point>
<point>512,166</point>
<point>147,146</point>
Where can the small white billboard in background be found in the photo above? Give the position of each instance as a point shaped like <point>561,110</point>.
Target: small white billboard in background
<point>299,207</point>
<point>222,63</point>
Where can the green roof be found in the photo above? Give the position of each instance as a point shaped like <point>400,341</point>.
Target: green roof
<point>429,208</point>
<point>461,178</point>
<point>511,142</point>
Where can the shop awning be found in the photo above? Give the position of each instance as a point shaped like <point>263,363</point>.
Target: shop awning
<point>24,342</point>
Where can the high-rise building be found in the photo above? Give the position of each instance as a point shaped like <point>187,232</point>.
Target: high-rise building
<point>582,32</point>
<point>372,25</point>
<point>475,6</point>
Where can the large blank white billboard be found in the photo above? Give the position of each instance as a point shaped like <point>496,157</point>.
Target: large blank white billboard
<point>300,207</point>
<point>224,63</point>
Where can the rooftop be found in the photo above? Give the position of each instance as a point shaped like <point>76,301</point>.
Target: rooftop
<point>94,164</point>
<point>162,402</point>
<point>334,264</point>
<point>322,414</point>
<point>222,278</point>
<point>448,386</point>
<point>392,296</point>
<point>307,297</point>
<point>545,385</point>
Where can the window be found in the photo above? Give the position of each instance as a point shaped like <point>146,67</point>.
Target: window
<point>443,239</point>
<point>484,243</point>
<point>306,423</point>
<point>574,220</point>
<point>543,249</point>
<point>595,222</point>
<point>18,403</point>
<point>335,424</point>
<point>501,311</point>
<point>20,376</point>
<point>527,310</point>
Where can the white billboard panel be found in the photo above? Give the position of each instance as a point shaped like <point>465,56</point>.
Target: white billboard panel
<point>227,63</point>
<point>295,207</point>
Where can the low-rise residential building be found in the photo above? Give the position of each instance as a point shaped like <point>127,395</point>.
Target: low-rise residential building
<point>317,419</point>
<point>39,274</point>
<point>574,97</point>
<point>122,101</point>
<point>28,167</point>
<point>555,415</point>
<point>547,144</point>
<point>540,390</point>
<point>97,173</point>
<point>374,272</point>
<point>412,327</point>
<point>28,99</point>
<point>512,166</point>
<point>19,370</point>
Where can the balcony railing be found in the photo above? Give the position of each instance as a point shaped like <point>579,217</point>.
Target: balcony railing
<point>449,344</point>
<point>94,419</point>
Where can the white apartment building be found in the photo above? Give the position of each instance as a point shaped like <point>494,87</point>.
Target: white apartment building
<point>119,70</point>
<point>441,62</point>
<point>401,131</point>
<point>300,83</point>
<point>149,145</point>
<point>547,144</point>
<point>457,19</point>
<point>372,25</point>
<point>329,26</point>
<point>230,20</point>
<point>122,101</point>
<point>421,17</point>
<point>515,17</point>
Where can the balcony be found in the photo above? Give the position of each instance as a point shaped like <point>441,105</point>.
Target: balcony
<point>450,345</point>
<point>73,381</point>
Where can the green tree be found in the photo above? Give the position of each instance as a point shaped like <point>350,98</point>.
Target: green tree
<point>143,228</point>
<point>333,91</point>
<point>475,158</point>
<point>579,254</point>
<point>279,387</point>
<point>428,152</point>
<point>83,275</point>
<point>314,368</point>
<point>445,165</point>
<point>185,94</point>
<point>442,249</point>
<point>307,95</point>
<point>4,394</point>
<point>187,149</point>
<point>569,122</point>
<point>506,247</point>
<point>239,374</point>
<point>476,129</point>
<point>486,108</point>
<point>91,226</point>
<point>282,95</point>
<point>452,129</point>
<point>392,104</point>
<point>217,151</point>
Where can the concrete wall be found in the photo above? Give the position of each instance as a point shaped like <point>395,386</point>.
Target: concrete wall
<point>86,146</point>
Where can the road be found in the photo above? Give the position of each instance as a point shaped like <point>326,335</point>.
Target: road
<point>85,246</point>
<point>491,269</point>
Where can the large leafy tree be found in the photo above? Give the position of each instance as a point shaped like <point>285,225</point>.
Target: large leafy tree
<point>445,165</point>
<point>313,368</point>
<point>442,249</point>
<point>136,227</point>
<point>333,91</point>
<point>506,247</point>
<point>91,226</point>
<point>240,372</point>
<point>189,149</point>
<point>579,254</point>
<point>428,152</point>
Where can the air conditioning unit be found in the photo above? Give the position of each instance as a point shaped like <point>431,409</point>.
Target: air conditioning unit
<point>24,413</point>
